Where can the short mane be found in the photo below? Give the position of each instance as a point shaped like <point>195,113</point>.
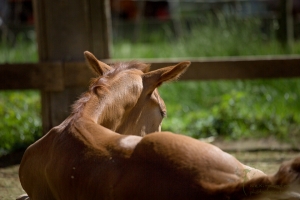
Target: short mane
<point>121,66</point>
<point>101,82</point>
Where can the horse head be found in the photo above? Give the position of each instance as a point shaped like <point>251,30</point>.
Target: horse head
<point>125,95</point>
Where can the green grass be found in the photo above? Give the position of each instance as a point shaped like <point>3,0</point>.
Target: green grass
<point>229,109</point>
<point>233,109</point>
<point>24,50</point>
<point>233,38</point>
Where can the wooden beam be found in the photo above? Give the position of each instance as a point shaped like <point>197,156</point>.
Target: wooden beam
<point>46,76</point>
<point>77,74</point>
<point>59,76</point>
<point>237,67</point>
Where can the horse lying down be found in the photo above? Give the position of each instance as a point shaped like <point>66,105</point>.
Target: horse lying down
<point>98,152</point>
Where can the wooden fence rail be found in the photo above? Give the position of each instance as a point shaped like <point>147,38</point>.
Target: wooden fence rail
<point>60,75</point>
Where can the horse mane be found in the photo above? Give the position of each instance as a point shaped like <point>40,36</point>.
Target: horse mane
<point>101,82</point>
<point>117,68</point>
<point>131,65</point>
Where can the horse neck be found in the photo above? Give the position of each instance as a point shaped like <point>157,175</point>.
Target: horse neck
<point>103,112</point>
<point>110,110</point>
<point>87,108</point>
<point>109,105</point>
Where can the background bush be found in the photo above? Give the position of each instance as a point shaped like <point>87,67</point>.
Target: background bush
<point>21,123</point>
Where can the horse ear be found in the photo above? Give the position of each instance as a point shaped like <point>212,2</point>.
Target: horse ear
<point>155,78</point>
<point>97,66</point>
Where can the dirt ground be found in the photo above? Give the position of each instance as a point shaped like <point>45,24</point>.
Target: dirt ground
<point>10,186</point>
<point>267,161</point>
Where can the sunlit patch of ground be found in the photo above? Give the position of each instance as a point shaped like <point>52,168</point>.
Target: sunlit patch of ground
<point>10,186</point>
<point>267,161</point>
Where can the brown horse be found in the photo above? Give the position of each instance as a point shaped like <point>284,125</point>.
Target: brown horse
<point>86,158</point>
<point>123,99</point>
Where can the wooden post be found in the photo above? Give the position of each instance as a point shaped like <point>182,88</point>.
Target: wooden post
<point>286,24</point>
<point>65,29</point>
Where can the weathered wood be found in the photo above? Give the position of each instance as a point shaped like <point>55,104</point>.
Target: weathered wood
<point>64,27</point>
<point>100,28</point>
<point>237,68</point>
<point>64,30</point>
<point>56,77</point>
<point>46,76</point>
<point>77,74</point>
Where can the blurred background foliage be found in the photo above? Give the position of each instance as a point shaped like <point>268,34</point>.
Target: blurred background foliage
<point>21,123</point>
<point>225,109</point>
<point>234,109</point>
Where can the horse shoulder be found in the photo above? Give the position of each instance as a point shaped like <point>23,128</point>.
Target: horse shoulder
<point>32,166</point>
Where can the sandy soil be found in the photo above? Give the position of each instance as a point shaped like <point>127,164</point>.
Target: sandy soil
<point>10,187</point>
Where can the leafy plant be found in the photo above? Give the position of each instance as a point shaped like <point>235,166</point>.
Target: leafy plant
<point>234,109</point>
<point>21,122</point>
